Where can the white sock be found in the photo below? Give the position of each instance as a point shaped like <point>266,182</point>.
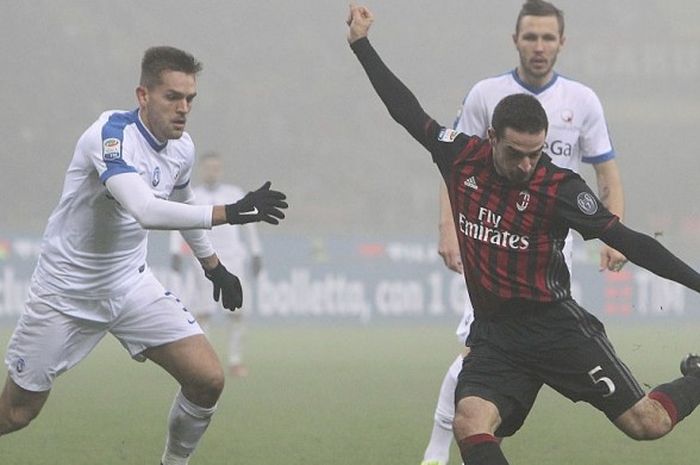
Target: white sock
<point>441,436</point>
<point>187,423</point>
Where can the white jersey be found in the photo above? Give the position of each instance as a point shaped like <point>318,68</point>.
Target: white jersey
<point>92,247</point>
<point>577,128</point>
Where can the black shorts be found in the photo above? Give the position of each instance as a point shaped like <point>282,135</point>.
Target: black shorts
<point>559,344</point>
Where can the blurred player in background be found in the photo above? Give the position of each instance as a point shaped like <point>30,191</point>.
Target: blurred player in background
<point>577,133</point>
<point>243,257</point>
<point>130,172</point>
<point>514,208</point>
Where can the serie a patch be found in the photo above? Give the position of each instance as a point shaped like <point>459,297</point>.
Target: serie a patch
<point>447,135</point>
<point>111,149</point>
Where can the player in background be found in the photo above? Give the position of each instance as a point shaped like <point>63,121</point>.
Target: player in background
<point>577,133</point>
<point>514,208</point>
<point>238,246</point>
<point>130,172</point>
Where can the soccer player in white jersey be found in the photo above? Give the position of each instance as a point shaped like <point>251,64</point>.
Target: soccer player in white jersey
<point>129,173</point>
<point>577,133</point>
<point>238,246</point>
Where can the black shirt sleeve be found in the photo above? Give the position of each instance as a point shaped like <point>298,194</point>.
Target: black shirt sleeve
<point>648,253</point>
<point>442,142</point>
<point>578,208</point>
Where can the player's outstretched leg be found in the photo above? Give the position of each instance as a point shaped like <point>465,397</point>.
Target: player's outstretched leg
<point>18,407</point>
<point>438,450</point>
<point>193,363</point>
<point>656,414</point>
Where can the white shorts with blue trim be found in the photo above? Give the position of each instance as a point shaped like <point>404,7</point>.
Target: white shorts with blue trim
<point>56,332</point>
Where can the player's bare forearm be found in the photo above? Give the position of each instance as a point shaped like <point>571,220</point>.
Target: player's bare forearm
<point>611,194</point>
<point>218,215</point>
<point>210,262</point>
<point>610,189</point>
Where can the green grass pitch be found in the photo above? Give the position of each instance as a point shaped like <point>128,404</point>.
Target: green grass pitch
<point>333,396</point>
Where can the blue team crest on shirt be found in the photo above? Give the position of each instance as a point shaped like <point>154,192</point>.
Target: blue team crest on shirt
<point>155,179</point>
<point>111,149</point>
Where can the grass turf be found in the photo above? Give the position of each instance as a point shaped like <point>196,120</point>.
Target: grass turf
<point>333,395</point>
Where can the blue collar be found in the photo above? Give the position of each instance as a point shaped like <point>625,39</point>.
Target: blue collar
<point>532,89</point>
<point>152,141</point>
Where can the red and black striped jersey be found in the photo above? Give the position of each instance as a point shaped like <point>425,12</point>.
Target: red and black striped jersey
<point>511,236</point>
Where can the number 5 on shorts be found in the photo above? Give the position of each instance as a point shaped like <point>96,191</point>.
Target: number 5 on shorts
<point>603,379</point>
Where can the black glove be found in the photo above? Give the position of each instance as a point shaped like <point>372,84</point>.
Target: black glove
<point>260,205</point>
<point>226,285</point>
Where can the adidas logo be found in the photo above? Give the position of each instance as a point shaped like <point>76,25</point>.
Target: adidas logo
<point>471,183</point>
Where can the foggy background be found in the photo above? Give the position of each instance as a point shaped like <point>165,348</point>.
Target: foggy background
<point>283,98</point>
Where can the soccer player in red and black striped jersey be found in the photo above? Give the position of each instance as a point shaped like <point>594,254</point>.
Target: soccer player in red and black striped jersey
<point>512,209</point>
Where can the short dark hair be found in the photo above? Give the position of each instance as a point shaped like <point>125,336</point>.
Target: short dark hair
<point>165,58</point>
<point>520,112</point>
<point>540,8</point>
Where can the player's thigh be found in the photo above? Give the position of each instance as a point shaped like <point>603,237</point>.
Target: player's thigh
<point>150,316</point>
<point>584,366</point>
<point>46,342</point>
<point>489,374</point>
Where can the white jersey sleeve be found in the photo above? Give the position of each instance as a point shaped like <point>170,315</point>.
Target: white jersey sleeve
<point>474,116</point>
<point>594,141</point>
<point>197,239</point>
<point>154,213</point>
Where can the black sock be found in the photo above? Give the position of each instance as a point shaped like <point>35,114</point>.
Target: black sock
<point>679,398</point>
<point>481,449</point>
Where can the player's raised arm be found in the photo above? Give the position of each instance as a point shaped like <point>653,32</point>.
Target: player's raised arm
<point>399,100</point>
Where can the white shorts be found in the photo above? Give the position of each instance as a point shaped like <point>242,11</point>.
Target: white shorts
<point>56,332</point>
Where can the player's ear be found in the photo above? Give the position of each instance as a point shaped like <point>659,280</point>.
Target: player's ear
<point>141,95</point>
<point>491,134</point>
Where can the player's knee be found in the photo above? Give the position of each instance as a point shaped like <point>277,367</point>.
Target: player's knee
<point>645,424</point>
<point>16,418</point>
<point>648,430</point>
<point>213,384</point>
<point>206,388</point>
<point>474,415</point>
